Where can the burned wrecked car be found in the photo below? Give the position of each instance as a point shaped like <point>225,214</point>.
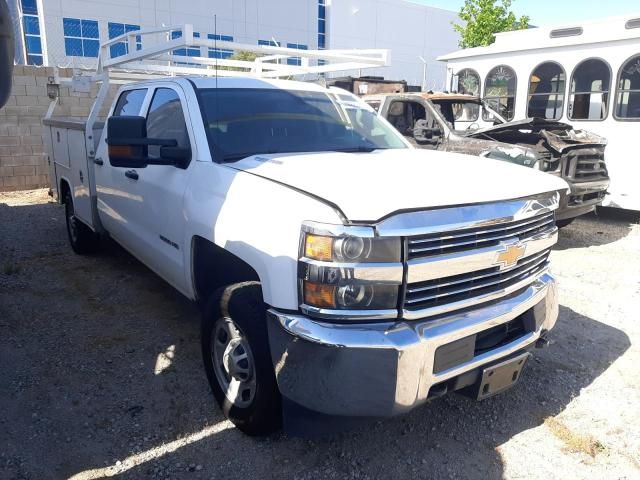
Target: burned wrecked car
<point>466,124</point>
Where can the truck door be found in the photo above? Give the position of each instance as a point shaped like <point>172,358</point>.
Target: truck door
<point>117,193</point>
<point>156,211</point>
<point>404,115</point>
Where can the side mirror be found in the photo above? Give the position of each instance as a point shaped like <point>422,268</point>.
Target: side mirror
<point>128,145</point>
<point>424,134</point>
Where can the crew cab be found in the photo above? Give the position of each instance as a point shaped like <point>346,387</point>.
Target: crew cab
<point>338,268</point>
<point>466,124</point>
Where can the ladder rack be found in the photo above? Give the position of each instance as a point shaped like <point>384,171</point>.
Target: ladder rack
<point>152,53</point>
<point>157,56</point>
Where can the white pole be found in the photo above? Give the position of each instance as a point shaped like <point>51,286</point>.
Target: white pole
<point>424,73</point>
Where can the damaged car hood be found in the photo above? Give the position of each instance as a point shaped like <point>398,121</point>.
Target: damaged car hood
<point>369,186</point>
<point>559,135</point>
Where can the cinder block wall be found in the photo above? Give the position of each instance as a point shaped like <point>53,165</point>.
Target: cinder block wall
<point>23,160</point>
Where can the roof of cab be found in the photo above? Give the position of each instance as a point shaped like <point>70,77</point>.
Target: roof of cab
<point>253,82</point>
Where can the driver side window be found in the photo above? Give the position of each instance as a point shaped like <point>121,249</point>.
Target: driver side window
<point>404,115</point>
<point>165,120</point>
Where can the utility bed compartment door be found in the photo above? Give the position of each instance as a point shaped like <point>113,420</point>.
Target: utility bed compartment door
<point>80,176</point>
<point>60,144</point>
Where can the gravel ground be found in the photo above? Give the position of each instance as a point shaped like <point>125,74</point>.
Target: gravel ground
<point>102,377</point>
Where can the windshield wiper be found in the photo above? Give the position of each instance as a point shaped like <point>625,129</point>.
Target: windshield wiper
<point>358,149</point>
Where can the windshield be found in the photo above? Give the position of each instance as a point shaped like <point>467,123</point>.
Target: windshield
<point>241,122</point>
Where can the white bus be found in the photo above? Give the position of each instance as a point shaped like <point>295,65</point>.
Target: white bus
<point>585,74</point>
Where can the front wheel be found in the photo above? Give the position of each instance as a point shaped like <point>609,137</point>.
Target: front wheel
<point>82,239</point>
<point>235,350</point>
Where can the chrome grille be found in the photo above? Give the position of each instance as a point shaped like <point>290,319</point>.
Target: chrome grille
<point>586,164</point>
<point>479,237</point>
<point>448,290</point>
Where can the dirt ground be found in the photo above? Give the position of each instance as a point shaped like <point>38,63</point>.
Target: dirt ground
<point>101,376</point>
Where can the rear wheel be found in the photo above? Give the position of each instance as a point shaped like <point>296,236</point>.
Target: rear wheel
<point>82,239</point>
<point>235,350</point>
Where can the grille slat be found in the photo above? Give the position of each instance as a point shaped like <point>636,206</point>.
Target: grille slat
<point>484,282</point>
<point>474,238</point>
<point>478,275</point>
<point>587,164</point>
<point>462,290</point>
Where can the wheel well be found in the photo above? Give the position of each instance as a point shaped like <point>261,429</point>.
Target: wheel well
<point>215,267</point>
<point>64,188</point>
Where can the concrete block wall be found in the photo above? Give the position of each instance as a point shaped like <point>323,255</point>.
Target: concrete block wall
<point>23,159</point>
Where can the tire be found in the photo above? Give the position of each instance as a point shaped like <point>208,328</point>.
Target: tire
<point>564,223</point>
<point>237,360</point>
<point>82,239</point>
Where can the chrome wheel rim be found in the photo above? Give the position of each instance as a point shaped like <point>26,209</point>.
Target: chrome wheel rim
<point>233,363</point>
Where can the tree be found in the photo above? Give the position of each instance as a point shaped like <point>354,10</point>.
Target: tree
<point>483,19</point>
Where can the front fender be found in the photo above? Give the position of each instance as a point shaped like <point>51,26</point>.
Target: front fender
<point>257,220</point>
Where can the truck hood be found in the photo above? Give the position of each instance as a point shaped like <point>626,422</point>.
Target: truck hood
<point>559,135</point>
<point>369,186</point>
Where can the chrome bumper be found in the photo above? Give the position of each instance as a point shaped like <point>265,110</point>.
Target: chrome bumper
<point>572,205</point>
<point>384,369</point>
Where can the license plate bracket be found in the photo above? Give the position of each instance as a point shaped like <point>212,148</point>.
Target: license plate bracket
<point>499,377</point>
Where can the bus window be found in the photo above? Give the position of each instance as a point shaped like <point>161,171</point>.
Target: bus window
<point>628,99</point>
<point>546,91</point>
<point>589,93</point>
<point>500,92</point>
<point>469,82</point>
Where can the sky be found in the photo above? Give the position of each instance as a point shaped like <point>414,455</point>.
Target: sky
<point>551,12</point>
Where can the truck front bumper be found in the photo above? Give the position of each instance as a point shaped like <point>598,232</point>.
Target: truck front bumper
<point>583,198</point>
<point>384,369</point>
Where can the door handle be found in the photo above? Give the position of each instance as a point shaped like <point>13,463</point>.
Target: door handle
<point>98,161</point>
<point>132,174</point>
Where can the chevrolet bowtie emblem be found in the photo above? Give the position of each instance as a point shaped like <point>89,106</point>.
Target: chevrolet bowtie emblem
<point>510,255</point>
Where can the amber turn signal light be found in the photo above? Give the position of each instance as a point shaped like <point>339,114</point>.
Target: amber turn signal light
<point>318,247</point>
<point>319,295</point>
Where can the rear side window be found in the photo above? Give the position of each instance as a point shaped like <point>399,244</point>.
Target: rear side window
<point>166,120</point>
<point>130,103</point>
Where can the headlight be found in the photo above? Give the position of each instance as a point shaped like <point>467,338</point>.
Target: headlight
<point>340,271</point>
<point>351,249</point>
<point>350,296</point>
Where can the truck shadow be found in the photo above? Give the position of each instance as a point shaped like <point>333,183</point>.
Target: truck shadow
<point>107,380</point>
<point>595,229</point>
<point>453,437</point>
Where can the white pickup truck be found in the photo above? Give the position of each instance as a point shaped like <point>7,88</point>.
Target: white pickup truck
<point>339,269</point>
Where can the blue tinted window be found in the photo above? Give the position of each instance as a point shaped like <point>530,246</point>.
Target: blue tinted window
<point>81,37</point>
<point>91,48</point>
<point>115,29</point>
<point>73,47</point>
<point>122,48</point>
<point>34,59</point>
<point>29,7</point>
<point>118,49</point>
<point>71,27</point>
<point>220,52</point>
<point>33,45</point>
<point>31,25</point>
<point>269,42</point>
<point>90,29</point>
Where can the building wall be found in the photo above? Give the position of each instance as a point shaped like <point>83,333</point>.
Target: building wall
<point>23,160</point>
<point>408,29</point>
<point>247,21</point>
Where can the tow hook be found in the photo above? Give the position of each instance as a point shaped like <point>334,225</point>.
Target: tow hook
<point>542,342</point>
